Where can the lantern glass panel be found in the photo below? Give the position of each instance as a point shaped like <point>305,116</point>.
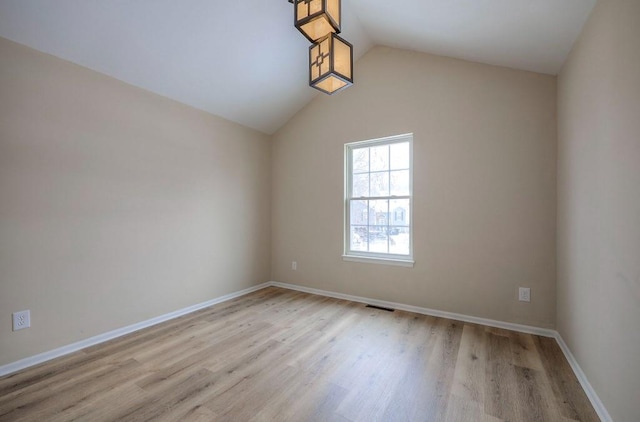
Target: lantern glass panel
<point>320,58</point>
<point>317,28</point>
<point>342,58</point>
<point>307,8</point>
<point>333,10</point>
<point>330,84</point>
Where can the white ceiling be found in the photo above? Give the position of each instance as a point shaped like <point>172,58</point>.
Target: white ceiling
<point>244,61</point>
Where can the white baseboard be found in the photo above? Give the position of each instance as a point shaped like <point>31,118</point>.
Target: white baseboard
<point>584,382</point>
<point>545,332</point>
<point>101,338</point>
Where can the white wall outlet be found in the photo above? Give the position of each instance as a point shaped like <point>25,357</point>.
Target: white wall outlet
<point>21,320</point>
<point>294,265</point>
<point>524,294</point>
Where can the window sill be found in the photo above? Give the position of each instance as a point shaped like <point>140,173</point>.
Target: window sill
<point>383,261</point>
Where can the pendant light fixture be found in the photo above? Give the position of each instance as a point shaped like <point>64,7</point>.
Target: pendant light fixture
<point>330,56</point>
<point>331,64</point>
<point>316,19</point>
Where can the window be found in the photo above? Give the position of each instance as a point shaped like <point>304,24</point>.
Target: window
<point>378,189</point>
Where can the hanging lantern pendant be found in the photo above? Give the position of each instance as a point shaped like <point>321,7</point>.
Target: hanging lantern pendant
<point>317,18</point>
<point>331,64</point>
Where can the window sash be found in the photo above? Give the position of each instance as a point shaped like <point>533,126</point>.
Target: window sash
<point>389,225</point>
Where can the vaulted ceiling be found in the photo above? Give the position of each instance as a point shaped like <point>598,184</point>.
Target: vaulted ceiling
<point>244,60</point>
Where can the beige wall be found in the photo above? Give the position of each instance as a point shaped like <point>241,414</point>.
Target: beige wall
<point>599,205</point>
<point>117,205</point>
<point>484,186</point>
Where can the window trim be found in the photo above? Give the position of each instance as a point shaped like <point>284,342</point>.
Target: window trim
<point>376,257</point>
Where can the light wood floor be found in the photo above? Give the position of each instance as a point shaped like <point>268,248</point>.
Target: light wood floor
<point>281,355</point>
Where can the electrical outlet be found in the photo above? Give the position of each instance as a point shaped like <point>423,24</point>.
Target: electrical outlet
<point>21,320</point>
<point>524,294</point>
<point>294,265</point>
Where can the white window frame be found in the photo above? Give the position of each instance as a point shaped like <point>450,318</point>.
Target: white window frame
<point>376,257</point>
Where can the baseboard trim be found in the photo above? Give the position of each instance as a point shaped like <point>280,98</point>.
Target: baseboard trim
<point>101,338</point>
<point>544,332</point>
<point>597,404</point>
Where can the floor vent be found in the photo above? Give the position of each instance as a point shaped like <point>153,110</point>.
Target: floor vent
<point>382,308</point>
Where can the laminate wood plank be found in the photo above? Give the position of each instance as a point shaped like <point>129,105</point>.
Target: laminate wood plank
<point>43,372</point>
<point>169,398</point>
<point>318,405</point>
<point>419,392</point>
<point>39,385</point>
<point>303,372</point>
<point>498,331</point>
<point>500,381</point>
<point>203,356</point>
<point>569,396</point>
<point>470,370</point>
<point>523,351</point>
<point>252,395</point>
<point>313,395</point>
<point>223,379</point>
<point>280,355</point>
<point>55,400</point>
<point>443,365</point>
<point>251,374</point>
<point>462,409</point>
<point>168,346</point>
<point>317,373</point>
<point>534,404</point>
<point>372,390</point>
<point>125,395</point>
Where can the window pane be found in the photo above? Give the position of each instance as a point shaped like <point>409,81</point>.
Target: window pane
<point>379,158</point>
<point>378,212</point>
<point>359,238</point>
<point>360,185</point>
<point>360,161</point>
<point>399,182</point>
<point>380,183</point>
<point>399,156</point>
<point>399,241</point>
<point>399,212</point>
<point>378,241</point>
<point>359,212</point>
